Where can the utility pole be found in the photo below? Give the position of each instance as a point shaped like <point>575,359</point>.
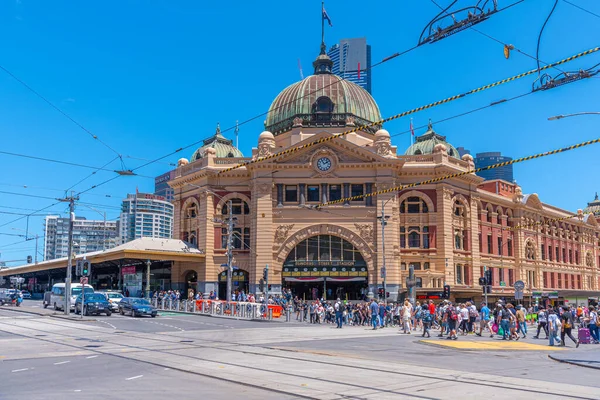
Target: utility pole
<point>383,270</point>
<point>71,200</point>
<point>148,263</point>
<point>267,288</point>
<point>36,247</point>
<point>229,249</point>
<point>104,234</point>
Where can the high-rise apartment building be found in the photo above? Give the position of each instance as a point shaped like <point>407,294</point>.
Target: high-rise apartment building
<point>491,158</point>
<point>145,215</point>
<point>88,235</point>
<point>161,186</point>
<point>349,56</point>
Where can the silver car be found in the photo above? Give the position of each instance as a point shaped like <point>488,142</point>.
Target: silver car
<point>113,299</point>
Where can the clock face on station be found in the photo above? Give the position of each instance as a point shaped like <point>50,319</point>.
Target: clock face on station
<point>324,164</point>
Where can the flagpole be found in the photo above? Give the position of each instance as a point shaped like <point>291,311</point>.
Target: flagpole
<point>412,132</point>
<point>322,23</point>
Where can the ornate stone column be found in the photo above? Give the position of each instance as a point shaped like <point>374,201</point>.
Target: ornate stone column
<point>445,240</point>
<point>262,236</point>
<point>207,276</point>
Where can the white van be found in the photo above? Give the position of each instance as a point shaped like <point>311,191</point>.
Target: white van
<point>57,295</point>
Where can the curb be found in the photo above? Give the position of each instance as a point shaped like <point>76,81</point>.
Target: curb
<point>53,315</point>
<point>573,363</point>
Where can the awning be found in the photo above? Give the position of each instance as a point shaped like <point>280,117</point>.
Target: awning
<point>344,279</point>
<point>304,279</point>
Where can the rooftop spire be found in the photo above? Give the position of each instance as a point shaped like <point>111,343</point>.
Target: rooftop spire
<point>323,63</point>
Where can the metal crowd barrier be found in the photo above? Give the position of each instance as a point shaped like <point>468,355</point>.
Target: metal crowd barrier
<point>243,310</point>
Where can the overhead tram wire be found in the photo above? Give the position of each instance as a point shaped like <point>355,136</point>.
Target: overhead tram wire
<point>582,9</point>
<point>506,45</point>
<point>537,51</point>
<point>384,60</point>
<point>459,174</point>
<point>409,112</point>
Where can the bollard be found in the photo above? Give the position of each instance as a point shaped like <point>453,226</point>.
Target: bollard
<point>194,309</point>
<point>162,303</point>
<point>170,303</point>
<point>288,314</point>
<point>270,314</point>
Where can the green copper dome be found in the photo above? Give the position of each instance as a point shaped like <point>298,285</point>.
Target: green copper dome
<point>223,146</point>
<point>593,207</point>
<point>425,144</point>
<point>322,100</point>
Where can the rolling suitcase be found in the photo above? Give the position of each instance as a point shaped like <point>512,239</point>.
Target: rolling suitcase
<point>583,334</point>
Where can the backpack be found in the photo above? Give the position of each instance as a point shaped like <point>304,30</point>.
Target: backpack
<point>419,313</point>
<point>427,316</point>
<point>473,312</point>
<point>453,315</point>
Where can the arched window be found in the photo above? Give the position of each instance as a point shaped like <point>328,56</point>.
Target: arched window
<point>459,209</point>
<point>238,207</point>
<point>489,213</point>
<point>414,205</point>
<point>192,239</point>
<point>192,211</point>
<point>530,250</point>
<point>326,248</point>
<point>458,240</point>
<point>418,152</point>
<point>323,105</point>
<point>418,237</point>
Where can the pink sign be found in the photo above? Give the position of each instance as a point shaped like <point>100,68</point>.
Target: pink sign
<point>128,270</point>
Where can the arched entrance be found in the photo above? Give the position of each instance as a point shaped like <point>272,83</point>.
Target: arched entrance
<point>191,282</point>
<point>326,266</point>
<point>239,282</point>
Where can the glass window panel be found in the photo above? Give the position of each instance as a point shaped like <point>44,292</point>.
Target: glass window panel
<point>336,248</point>
<point>301,251</point>
<point>357,190</point>
<point>426,265</point>
<point>424,207</point>
<point>358,257</point>
<point>413,199</point>
<point>413,208</point>
<point>313,248</point>
<point>335,192</point>
<point>459,274</point>
<point>312,193</point>
<point>416,265</point>
<point>324,248</point>
<point>402,207</point>
<point>291,193</point>
<point>223,238</point>
<point>348,253</point>
<point>414,239</point>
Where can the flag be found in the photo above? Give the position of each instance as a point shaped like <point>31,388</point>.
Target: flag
<point>326,17</point>
<point>412,130</point>
<point>358,70</point>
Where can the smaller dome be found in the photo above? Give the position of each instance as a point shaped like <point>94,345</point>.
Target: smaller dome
<point>266,135</point>
<point>222,147</point>
<point>426,143</point>
<point>382,133</point>
<point>593,207</point>
<point>182,161</point>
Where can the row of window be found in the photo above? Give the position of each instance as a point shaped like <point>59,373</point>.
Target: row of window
<point>562,281</point>
<point>325,248</point>
<point>321,193</point>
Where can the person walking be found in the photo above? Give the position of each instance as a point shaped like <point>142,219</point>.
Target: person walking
<point>593,324</point>
<point>339,313</point>
<point>374,308</point>
<point>542,322</point>
<point>522,325</point>
<point>485,320</point>
<point>426,317</point>
<point>554,326</point>
<point>406,316</point>
<point>451,317</point>
<point>567,321</point>
<point>504,317</point>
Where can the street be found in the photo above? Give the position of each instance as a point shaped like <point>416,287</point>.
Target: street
<point>49,358</point>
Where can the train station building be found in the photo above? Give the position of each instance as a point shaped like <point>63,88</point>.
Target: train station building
<point>449,231</point>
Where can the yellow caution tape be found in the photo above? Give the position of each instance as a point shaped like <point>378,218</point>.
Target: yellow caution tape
<point>443,178</point>
<point>414,110</point>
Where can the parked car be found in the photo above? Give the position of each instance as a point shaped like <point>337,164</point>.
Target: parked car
<point>136,307</point>
<point>114,298</point>
<point>26,294</point>
<point>93,303</point>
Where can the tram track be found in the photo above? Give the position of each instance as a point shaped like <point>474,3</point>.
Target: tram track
<point>259,351</point>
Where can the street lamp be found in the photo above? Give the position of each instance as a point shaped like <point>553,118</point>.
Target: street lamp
<point>561,116</point>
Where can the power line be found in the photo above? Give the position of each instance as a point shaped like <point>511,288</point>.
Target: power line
<point>582,9</point>
<point>405,113</point>
<point>537,52</point>
<point>384,60</point>
<point>32,90</point>
<point>459,174</point>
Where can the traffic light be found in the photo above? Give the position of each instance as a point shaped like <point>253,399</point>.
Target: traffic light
<point>265,274</point>
<point>387,295</point>
<point>482,281</point>
<point>261,285</point>
<point>29,260</point>
<point>380,292</point>
<point>488,277</point>
<point>446,294</point>
<point>86,268</point>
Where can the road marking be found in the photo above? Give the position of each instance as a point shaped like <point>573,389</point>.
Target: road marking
<point>62,362</point>
<point>133,377</point>
<point>77,390</point>
<point>166,369</point>
<point>20,370</point>
<point>108,323</point>
<point>495,345</point>
<point>91,357</point>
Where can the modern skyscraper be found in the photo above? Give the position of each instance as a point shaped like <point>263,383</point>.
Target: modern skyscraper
<point>462,151</point>
<point>88,235</point>
<point>145,215</point>
<point>161,185</point>
<point>348,57</point>
<point>490,158</point>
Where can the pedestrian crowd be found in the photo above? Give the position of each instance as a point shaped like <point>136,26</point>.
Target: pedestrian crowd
<point>503,320</point>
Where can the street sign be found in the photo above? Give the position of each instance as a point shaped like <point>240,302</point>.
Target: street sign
<point>519,285</point>
<point>383,272</point>
<point>536,295</point>
<point>502,283</point>
<point>518,295</point>
<point>83,280</point>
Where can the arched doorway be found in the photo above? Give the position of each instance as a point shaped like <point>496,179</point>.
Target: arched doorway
<point>326,266</point>
<point>191,282</point>
<point>239,282</point>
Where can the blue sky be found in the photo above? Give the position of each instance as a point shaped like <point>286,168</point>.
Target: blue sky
<point>148,77</point>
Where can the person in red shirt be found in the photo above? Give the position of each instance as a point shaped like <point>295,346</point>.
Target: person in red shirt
<point>431,307</point>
